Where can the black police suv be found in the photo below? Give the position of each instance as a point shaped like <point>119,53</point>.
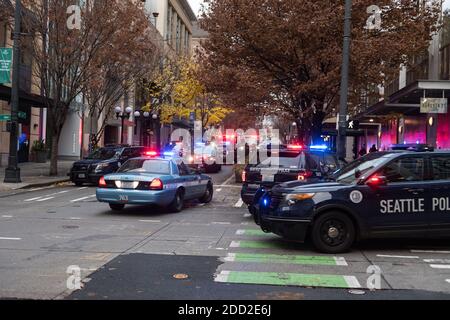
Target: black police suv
<point>101,162</point>
<point>387,194</point>
<point>296,163</point>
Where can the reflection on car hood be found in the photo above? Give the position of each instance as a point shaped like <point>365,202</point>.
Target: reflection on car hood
<point>312,187</point>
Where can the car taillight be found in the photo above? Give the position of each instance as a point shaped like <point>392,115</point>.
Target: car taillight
<point>304,175</point>
<point>295,147</point>
<point>102,182</point>
<point>244,176</point>
<point>156,184</point>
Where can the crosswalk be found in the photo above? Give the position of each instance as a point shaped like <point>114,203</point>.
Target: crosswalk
<point>257,258</point>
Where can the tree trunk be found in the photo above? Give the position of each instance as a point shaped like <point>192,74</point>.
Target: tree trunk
<point>316,127</point>
<point>54,155</point>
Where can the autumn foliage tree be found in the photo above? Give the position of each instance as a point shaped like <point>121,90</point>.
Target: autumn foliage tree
<point>284,56</point>
<point>66,58</point>
<point>183,93</point>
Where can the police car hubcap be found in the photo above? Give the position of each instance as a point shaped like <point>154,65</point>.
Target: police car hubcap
<point>333,232</point>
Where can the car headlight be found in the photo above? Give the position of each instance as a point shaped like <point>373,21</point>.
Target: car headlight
<point>295,197</point>
<point>102,166</point>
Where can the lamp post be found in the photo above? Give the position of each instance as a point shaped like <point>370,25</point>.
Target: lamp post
<point>123,115</point>
<point>342,128</point>
<point>12,172</point>
<point>146,116</point>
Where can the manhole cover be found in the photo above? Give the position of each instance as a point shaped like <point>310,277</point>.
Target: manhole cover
<point>357,292</point>
<point>180,276</point>
<point>70,227</point>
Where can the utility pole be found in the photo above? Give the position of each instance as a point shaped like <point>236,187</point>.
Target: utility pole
<point>12,172</point>
<point>343,109</point>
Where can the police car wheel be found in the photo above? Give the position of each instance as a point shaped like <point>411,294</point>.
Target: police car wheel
<point>116,207</point>
<point>178,203</point>
<point>333,232</point>
<point>207,197</point>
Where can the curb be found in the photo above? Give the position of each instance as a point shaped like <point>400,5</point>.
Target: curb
<point>44,184</point>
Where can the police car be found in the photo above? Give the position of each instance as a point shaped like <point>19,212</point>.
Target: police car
<point>156,180</point>
<point>385,194</point>
<point>294,163</point>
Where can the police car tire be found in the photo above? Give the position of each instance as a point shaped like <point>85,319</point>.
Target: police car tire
<point>116,207</point>
<point>177,203</point>
<point>208,196</point>
<point>339,220</point>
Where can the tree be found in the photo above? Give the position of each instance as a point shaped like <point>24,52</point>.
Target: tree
<point>183,93</point>
<point>282,56</point>
<point>64,57</point>
<point>132,54</point>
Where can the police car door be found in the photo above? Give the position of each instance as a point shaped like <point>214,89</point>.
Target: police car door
<point>439,188</point>
<point>400,205</point>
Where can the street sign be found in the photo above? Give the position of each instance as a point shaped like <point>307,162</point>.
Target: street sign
<point>433,105</point>
<point>5,65</point>
<point>353,125</point>
<point>5,117</point>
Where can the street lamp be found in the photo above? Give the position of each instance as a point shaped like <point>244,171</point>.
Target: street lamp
<point>123,115</point>
<point>12,172</point>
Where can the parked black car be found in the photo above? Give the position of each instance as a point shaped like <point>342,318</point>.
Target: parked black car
<point>101,162</point>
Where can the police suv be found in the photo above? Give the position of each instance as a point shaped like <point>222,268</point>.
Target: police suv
<point>384,194</point>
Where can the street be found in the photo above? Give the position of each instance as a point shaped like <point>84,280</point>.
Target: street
<point>216,251</point>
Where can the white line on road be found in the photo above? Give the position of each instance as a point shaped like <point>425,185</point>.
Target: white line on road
<point>218,190</point>
<point>437,261</point>
<point>340,261</point>
<point>81,199</point>
<point>430,251</point>
<point>74,218</point>
<point>83,188</point>
<point>150,221</point>
<point>13,239</point>
<point>45,199</point>
<point>399,257</point>
<point>239,204</point>
<point>247,215</point>
<point>224,223</point>
<point>440,266</point>
<point>235,244</point>
<point>229,186</point>
<point>352,282</point>
<point>448,280</point>
<point>240,232</point>
<point>228,180</point>
<point>32,199</point>
<point>7,216</point>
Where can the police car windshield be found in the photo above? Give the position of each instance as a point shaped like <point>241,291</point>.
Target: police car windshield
<point>103,154</point>
<point>145,166</point>
<point>353,171</point>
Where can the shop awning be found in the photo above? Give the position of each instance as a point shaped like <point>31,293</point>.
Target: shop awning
<point>25,98</point>
<point>407,100</point>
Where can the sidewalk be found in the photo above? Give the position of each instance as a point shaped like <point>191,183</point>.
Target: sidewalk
<point>36,175</point>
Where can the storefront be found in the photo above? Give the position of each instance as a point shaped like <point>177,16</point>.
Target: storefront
<point>404,118</point>
<point>30,118</point>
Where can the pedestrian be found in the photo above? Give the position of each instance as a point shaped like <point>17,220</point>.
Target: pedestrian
<point>363,151</point>
<point>373,149</point>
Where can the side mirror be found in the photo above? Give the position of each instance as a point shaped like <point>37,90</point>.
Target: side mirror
<point>377,181</point>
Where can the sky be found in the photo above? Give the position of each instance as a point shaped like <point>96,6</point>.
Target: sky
<point>195,4</point>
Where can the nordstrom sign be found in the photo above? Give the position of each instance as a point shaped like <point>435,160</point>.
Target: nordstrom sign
<point>433,105</point>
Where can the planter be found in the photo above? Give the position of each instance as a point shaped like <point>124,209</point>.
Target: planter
<point>238,169</point>
<point>41,156</point>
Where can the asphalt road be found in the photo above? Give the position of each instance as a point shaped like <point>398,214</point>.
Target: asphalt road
<point>215,250</point>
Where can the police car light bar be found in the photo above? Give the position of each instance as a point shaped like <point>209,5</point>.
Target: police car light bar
<point>319,147</point>
<point>151,153</point>
<point>295,147</point>
<point>168,154</point>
